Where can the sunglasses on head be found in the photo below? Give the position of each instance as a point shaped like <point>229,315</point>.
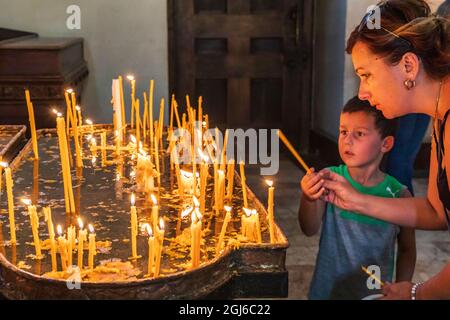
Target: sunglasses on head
<point>369,17</point>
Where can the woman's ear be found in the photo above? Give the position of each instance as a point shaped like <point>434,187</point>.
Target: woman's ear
<point>388,144</point>
<point>410,65</point>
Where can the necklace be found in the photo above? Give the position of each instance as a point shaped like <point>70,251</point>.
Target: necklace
<point>436,120</point>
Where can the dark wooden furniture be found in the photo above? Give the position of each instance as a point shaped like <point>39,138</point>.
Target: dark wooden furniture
<point>251,60</point>
<point>46,66</point>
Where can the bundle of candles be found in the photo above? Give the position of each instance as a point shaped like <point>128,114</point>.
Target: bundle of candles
<point>147,149</point>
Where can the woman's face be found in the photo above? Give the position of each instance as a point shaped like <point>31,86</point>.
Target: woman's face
<point>380,83</point>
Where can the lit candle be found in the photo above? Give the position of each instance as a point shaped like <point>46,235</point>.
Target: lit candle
<point>68,111</point>
<point>32,124</point>
<point>134,227</point>
<point>270,211</point>
<point>94,147</point>
<point>79,159</point>
<point>62,248</point>
<point>224,228</point>
<point>92,247</point>
<point>151,249</point>
<point>230,178</point>
<point>133,93</point>
<point>256,226</point>
<point>155,211</point>
<point>34,222</point>
<point>82,236</point>
<point>9,190</point>
<point>160,242</point>
<point>122,100</point>
<point>245,222</point>
<point>80,119</point>
<point>51,234</point>
<point>103,146</point>
<point>244,185</point>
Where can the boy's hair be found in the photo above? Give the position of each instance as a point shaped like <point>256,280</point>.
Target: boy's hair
<point>384,126</point>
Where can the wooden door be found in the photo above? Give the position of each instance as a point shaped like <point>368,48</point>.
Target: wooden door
<point>249,59</point>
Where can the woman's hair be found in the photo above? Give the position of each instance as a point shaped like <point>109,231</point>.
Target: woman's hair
<point>407,26</point>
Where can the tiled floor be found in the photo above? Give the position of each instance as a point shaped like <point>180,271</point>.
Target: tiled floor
<point>433,247</point>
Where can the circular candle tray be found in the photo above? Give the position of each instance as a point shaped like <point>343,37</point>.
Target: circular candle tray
<point>245,270</point>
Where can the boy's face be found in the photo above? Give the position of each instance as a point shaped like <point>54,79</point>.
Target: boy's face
<point>360,142</point>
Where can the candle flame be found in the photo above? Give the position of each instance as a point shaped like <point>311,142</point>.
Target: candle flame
<point>59,114</point>
<point>196,202</point>
<point>204,124</point>
<point>149,230</point>
<point>80,223</point>
<point>186,212</point>
<point>130,77</point>
<point>247,212</point>
<point>77,108</point>
<point>154,200</point>
<point>161,223</point>
<point>186,174</point>
<point>91,228</point>
<point>55,111</point>
<point>133,200</point>
<point>69,90</point>
<point>227,208</point>
<point>89,122</point>
<point>59,230</point>
<point>26,201</point>
<point>269,183</point>
<point>198,214</point>
<point>4,164</point>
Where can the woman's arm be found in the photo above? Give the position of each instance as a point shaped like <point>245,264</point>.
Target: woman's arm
<point>415,213</point>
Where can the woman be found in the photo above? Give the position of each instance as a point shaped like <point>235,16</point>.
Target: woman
<point>403,69</point>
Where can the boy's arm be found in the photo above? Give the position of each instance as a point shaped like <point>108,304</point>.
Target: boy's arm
<point>310,215</point>
<point>406,255</point>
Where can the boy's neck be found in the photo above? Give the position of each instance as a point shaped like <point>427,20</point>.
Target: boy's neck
<point>368,175</point>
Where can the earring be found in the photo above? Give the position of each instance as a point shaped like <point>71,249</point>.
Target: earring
<point>409,84</point>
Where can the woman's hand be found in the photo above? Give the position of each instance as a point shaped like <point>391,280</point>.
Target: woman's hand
<point>397,291</point>
<point>312,185</point>
<point>340,191</point>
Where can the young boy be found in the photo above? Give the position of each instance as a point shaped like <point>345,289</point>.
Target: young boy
<point>349,240</point>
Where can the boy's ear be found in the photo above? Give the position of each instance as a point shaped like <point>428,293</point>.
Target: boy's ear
<point>388,144</point>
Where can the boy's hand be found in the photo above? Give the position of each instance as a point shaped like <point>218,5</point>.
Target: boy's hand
<point>312,185</point>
